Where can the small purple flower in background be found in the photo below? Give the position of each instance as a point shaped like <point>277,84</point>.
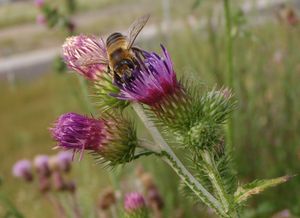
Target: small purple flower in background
<point>39,3</point>
<point>64,159</point>
<point>153,82</point>
<point>77,132</point>
<point>41,19</point>
<point>134,202</point>
<point>23,169</point>
<point>41,163</point>
<point>84,54</point>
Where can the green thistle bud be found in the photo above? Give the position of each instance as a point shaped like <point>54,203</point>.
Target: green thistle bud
<point>217,104</point>
<point>202,135</point>
<point>104,92</point>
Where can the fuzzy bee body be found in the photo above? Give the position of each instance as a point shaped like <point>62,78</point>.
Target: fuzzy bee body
<point>118,53</point>
<point>120,56</point>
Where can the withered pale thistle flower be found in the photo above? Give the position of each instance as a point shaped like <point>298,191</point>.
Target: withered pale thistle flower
<point>83,53</point>
<point>111,139</point>
<point>135,205</point>
<point>23,169</point>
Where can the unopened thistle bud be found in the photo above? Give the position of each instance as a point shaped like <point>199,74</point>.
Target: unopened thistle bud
<point>135,206</point>
<point>112,139</point>
<point>41,164</point>
<point>23,169</point>
<point>84,54</point>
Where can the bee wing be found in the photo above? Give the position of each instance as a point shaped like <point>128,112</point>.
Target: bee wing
<point>98,57</point>
<point>136,28</point>
<point>86,61</point>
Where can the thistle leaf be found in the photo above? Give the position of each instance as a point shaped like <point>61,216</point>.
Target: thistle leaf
<point>256,187</point>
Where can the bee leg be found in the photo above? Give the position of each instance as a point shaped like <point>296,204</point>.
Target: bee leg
<point>109,71</point>
<point>117,79</point>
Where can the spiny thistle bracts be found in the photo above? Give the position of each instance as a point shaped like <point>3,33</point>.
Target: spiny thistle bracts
<point>104,91</point>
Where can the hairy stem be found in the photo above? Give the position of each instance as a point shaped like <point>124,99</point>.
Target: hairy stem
<point>170,157</point>
<point>229,67</point>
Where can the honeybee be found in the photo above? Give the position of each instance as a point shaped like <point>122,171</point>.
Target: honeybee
<point>119,53</point>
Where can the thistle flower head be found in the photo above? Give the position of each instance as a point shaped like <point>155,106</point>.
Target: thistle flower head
<point>134,202</point>
<point>23,169</point>
<point>77,132</point>
<point>112,139</point>
<point>82,54</point>
<point>41,163</point>
<point>154,81</point>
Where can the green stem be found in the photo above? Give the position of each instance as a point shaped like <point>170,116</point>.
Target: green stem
<point>229,67</point>
<point>143,153</point>
<point>170,157</point>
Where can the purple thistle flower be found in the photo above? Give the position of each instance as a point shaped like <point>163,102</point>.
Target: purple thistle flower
<point>77,132</point>
<point>154,81</point>
<point>41,163</point>
<point>23,169</point>
<point>134,202</point>
<point>114,139</point>
<point>83,54</point>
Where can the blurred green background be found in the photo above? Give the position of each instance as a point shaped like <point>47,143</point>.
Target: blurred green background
<point>266,85</point>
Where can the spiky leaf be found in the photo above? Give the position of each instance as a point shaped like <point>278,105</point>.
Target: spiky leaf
<point>245,192</point>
